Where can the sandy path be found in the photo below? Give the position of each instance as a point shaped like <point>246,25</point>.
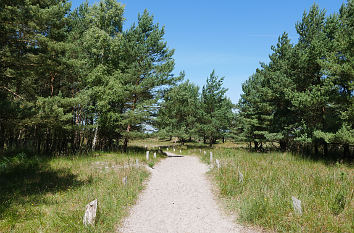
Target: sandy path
<point>178,198</point>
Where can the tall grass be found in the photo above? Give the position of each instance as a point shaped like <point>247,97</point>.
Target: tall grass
<point>270,180</point>
<point>41,194</point>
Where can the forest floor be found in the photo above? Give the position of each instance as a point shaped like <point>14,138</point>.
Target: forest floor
<point>179,198</point>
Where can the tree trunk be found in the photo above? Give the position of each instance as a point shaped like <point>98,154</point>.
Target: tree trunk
<point>255,145</point>
<point>325,149</point>
<point>283,145</point>
<point>204,139</point>
<point>94,140</point>
<point>223,139</point>
<point>211,141</point>
<point>47,142</point>
<point>125,145</point>
<point>346,151</point>
<point>38,145</point>
<point>2,138</point>
<point>316,148</point>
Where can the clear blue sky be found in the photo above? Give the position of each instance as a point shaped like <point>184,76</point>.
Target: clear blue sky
<point>229,36</point>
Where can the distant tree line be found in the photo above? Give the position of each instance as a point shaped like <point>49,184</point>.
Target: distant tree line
<point>75,80</point>
<point>189,115</point>
<point>303,98</point>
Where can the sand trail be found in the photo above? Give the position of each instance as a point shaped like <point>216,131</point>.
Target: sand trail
<point>179,198</point>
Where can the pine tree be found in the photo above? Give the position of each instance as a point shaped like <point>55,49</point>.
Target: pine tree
<point>339,68</point>
<point>32,44</point>
<point>147,66</point>
<point>179,114</point>
<point>217,112</point>
<point>256,113</point>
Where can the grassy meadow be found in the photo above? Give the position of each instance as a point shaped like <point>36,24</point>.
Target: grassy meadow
<point>41,194</point>
<point>264,197</point>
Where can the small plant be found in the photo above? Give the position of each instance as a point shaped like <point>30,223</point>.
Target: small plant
<point>151,164</point>
<point>339,202</point>
<point>254,210</point>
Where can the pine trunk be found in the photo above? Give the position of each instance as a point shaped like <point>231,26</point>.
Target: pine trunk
<point>125,144</point>
<point>346,151</point>
<point>255,145</point>
<point>94,140</point>
<point>325,149</point>
<point>316,148</point>
<point>283,145</point>
<point>126,140</point>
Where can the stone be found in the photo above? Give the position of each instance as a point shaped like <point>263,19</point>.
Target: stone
<point>240,177</point>
<point>297,205</point>
<point>90,213</point>
<point>211,157</point>
<point>204,152</point>
<point>147,155</point>
<point>217,163</point>
<point>137,162</point>
<point>200,150</point>
<point>155,155</point>
<point>174,149</point>
<point>180,151</point>
<point>124,180</point>
<point>167,148</point>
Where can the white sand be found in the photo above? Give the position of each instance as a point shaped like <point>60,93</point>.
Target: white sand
<point>178,198</point>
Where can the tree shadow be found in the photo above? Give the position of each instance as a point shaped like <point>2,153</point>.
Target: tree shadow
<point>198,146</point>
<point>333,156</point>
<point>133,149</point>
<point>27,183</point>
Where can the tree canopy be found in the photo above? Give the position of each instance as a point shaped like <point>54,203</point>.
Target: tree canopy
<point>304,96</point>
<point>74,80</point>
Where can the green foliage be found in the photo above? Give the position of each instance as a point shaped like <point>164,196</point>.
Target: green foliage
<point>304,96</point>
<point>186,114</point>
<point>74,80</point>
<point>217,109</point>
<point>271,179</point>
<point>147,71</point>
<point>180,112</point>
<point>50,194</point>
<point>151,164</point>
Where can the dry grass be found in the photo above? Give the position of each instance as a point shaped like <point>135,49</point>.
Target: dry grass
<point>49,195</point>
<point>271,179</point>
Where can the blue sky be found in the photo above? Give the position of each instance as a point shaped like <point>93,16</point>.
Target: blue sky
<point>229,36</point>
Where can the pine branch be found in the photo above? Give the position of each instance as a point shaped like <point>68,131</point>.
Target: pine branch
<point>12,92</point>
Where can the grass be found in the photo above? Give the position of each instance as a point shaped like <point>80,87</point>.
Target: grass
<point>271,179</point>
<point>40,194</point>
